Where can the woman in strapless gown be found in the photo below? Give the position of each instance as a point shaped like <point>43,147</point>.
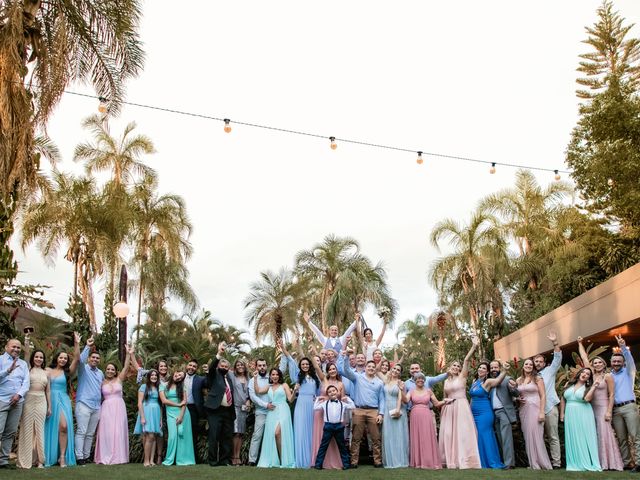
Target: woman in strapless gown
<point>112,437</point>
<point>34,413</point>
<point>458,440</point>
<point>532,394</point>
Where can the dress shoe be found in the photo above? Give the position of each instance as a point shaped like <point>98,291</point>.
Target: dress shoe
<point>636,469</point>
<point>81,462</point>
<point>347,467</point>
<point>251,464</point>
<point>354,465</point>
<point>378,465</point>
<point>317,467</point>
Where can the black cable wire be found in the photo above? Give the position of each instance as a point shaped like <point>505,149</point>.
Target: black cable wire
<point>315,135</point>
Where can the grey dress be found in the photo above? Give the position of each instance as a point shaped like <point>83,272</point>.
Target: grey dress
<point>240,397</point>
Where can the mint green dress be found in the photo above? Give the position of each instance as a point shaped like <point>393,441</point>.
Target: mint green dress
<point>281,415</point>
<point>179,439</point>
<point>580,437</point>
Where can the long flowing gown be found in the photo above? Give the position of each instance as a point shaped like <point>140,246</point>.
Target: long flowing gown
<point>532,429</point>
<point>332,459</point>
<point>112,437</point>
<point>424,445</point>
<point>610,458</point>
<point>303,415</point>
<point>395,431</point>
<point>34,414</point>
<point>152,413</point>
<point>483,416</point>
<point>281,415</point>
<point>458,437</point>
<point>179,438</point>
<point>60,405</point>
<point>580,437</point>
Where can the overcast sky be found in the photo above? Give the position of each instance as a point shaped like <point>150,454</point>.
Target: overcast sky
<point>488,80</point>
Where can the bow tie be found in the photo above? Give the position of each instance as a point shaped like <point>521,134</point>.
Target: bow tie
<point>333,401</point>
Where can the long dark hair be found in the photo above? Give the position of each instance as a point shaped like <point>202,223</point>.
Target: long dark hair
<point>44,358</point>
<point>486,364</point>
<point>65,369</point>
<point>338,376</point>
<point>311,372</point>
<point>179,385</point>
<point>149,384</point>
<point>576,377</point>
<point>280,376</point>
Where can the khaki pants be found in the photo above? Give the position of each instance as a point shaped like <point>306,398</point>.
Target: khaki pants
<point>551,434</point>
<point>365,417</point>
<point>625,422</point>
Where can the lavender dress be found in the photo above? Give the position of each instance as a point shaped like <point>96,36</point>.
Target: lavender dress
<point>608,448</point>
<point>532,429</point>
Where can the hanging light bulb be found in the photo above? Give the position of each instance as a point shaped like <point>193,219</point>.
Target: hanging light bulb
<point>227,127</point>
<point>102,108</point>
<point>419,160</point>
<point>610,182</point>
<point>334,145</point>
<point>557,176</point>
<point>492,170</point>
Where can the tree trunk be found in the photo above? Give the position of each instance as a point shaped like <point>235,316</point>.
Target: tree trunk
<point>140,290</point>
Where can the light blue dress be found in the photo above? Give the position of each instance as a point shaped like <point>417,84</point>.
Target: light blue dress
<point>303,416</point>
<point>483,416</point>
<point>281,415</point>
<point>580,437</point>
<point>152,413</point>
<point>395,431</point>
<point>60,405</point>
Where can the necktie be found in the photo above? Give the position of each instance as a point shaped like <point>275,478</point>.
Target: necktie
<point>228,392</point>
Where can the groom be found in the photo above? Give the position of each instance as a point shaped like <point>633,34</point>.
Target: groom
<point>220,411</point>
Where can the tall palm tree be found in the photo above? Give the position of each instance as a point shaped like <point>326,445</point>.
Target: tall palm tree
<point>529,213</point>
<point>273,304</point>
<point>161,221</point>
<point>44,46</point>
<point>121,158</point>
<point>469,276</point>
<point>341,280</point>
<point>71,214</point>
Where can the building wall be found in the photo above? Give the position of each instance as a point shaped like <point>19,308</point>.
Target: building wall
<point>608,309</point>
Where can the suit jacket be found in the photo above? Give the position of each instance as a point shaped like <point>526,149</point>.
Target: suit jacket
<point>506,394</point>
<point>217,387</point>
<point>198,384</point>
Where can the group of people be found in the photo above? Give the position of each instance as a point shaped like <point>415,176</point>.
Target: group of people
<point>345,402</point>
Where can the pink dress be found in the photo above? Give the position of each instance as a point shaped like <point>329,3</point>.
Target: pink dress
<point>532,429</point>
<point>423,444</point>
<point>332,458</point>
<point>608,448</point>
<point>458,437</point>
<point>112,439</point>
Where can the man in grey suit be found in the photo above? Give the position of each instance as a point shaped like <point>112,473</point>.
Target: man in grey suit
<point>505,413</point>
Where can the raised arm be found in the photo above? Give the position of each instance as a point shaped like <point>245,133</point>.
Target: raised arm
<point>258,391</point>
<point>288,393</point>
<point>630,364</point>
<point>316,331</point>
<point>381,336</point>
<point>557,353</point>
<point>76,353</point>
<point>27,347</point>
<point>347,371</point>
<point>591,392</point>
<point>343,338</point>
<point>465,364</point>
<point>493,382</point>
<point>584,356</point>
<point>122,376</point>
<point>316,365</point>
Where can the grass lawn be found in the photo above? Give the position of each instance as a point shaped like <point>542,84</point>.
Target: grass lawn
<point>138,472</point>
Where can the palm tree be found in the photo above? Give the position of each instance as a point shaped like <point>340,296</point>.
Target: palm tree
<point>529,212</point>
<point>341,280</point>
<point>469,277</point>
<point>71,214</point>
<point>161,221</point>
<point>417,340</point>
<point>120,157</point>
<point>273,304</point>
<point>44,46</point>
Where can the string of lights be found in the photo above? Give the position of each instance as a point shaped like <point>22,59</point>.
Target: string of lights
<point>228,124</point>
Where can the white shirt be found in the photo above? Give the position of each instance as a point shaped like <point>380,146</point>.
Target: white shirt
<point>334,412</point>
<point>188,385</point>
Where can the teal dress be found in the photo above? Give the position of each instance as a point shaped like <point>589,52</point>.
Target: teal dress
<point>580,437</point>
<point>60,406</point>
<point>281,415</point>
<point>179,439</point>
